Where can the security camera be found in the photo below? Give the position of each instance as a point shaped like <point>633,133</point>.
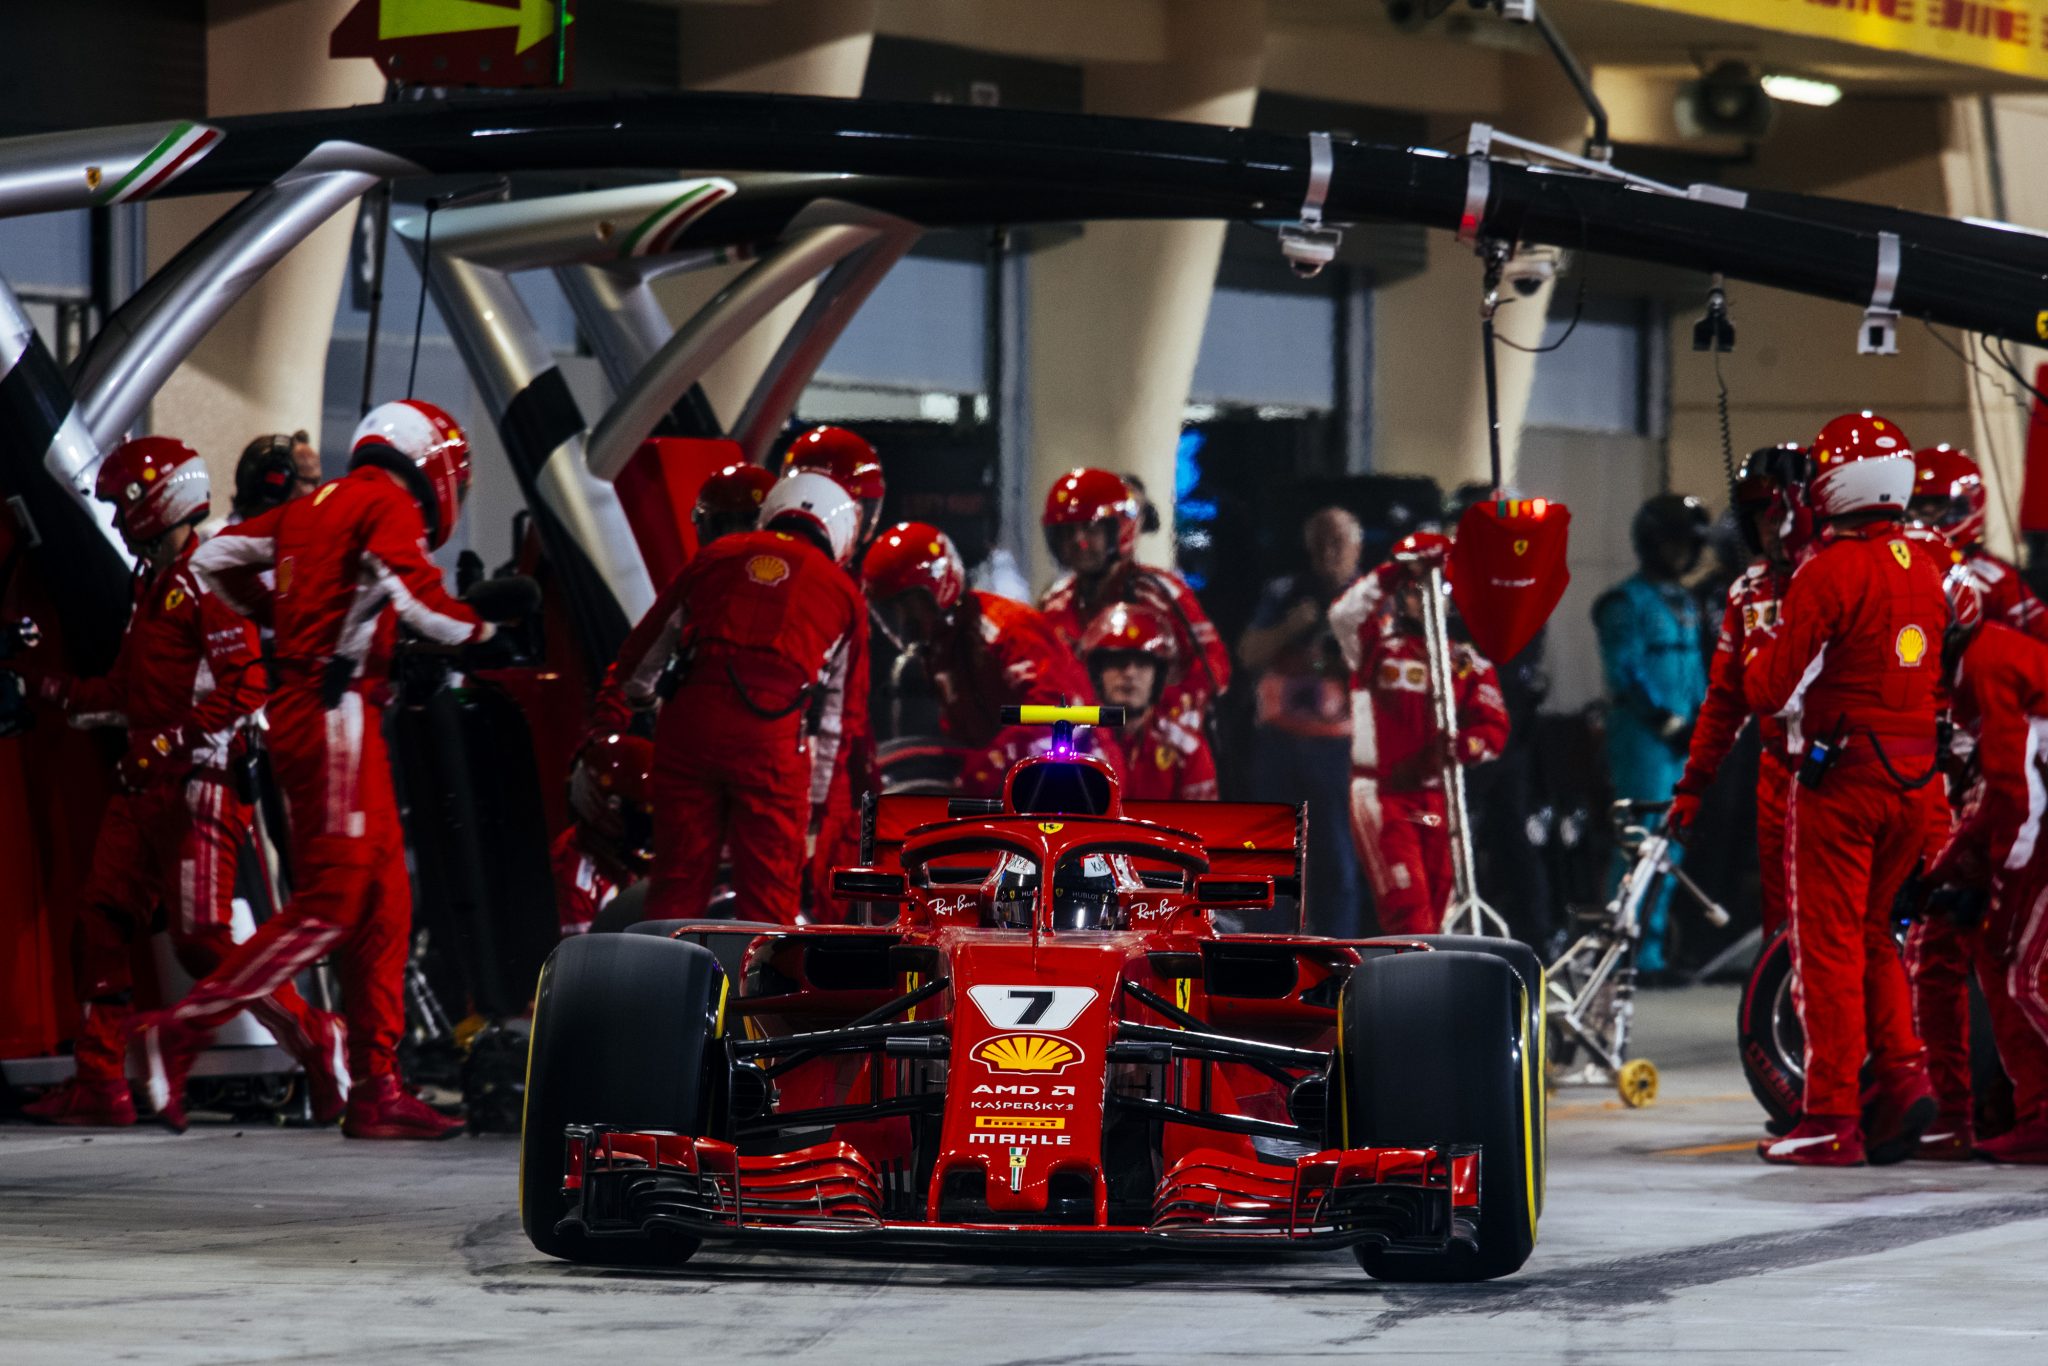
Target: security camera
<point>1531,268</point>
<point>1308,249</point>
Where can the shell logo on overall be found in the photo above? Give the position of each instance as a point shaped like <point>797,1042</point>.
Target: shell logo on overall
<point>767,569</point>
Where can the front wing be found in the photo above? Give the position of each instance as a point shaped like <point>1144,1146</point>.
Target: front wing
<point>631,1185</point>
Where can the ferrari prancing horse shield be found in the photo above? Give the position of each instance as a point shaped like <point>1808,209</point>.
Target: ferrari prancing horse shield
<point>1507,571</point>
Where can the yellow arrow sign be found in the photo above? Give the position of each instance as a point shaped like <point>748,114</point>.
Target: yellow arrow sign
<point>535,19</point>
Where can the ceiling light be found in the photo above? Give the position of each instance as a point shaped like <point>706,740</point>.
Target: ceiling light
<point>1803,90</point>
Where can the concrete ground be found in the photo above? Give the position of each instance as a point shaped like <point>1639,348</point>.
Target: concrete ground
<point>1664,1239</point>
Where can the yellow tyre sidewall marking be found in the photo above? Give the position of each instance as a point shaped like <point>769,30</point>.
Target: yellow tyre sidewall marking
<point>526,1096</point>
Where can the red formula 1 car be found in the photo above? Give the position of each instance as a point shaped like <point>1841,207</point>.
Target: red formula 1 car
<point>1051,1043</point>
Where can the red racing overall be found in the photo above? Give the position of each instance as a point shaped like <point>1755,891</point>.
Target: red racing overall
<point>1397,796</point>
<point>2001,698</point>
<point>186,663</point>
<point>1750,619</point>
<point>767,627</point>
<point>349,563</point>
<point>1856,661</point>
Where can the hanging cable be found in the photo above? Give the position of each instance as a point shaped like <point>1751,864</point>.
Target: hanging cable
<point>1495,254</point>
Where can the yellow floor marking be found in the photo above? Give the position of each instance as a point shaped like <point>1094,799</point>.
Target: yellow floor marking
<point>1747,1145</point>
<point>1589,1107</point>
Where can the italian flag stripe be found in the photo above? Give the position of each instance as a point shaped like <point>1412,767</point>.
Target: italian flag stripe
<point>185,144</point>
<point>659,228</point>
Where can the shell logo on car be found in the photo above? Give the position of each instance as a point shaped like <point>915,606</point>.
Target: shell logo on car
<point>767,569</point>
<point>1037,1053</point>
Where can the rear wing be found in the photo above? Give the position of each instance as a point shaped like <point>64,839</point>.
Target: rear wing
<point>1244,839</point>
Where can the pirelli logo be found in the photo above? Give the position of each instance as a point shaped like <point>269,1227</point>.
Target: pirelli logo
<point>1019,1122</point>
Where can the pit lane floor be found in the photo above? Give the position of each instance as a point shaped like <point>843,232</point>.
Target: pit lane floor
<point>1664,1240</point>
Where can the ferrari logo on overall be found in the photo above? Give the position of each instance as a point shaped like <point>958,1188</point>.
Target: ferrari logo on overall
<point>1521,547</point>
<point>767,570</point>
<point>173,599</point>
<point>1903,553</point>
<point>1911,646</point>
<point>1026,1053</point>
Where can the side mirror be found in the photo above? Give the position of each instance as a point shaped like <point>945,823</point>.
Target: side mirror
<point>869,884</point>
<point>1234,893</point>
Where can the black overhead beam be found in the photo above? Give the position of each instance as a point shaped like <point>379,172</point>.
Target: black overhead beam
<point>1020,166</point>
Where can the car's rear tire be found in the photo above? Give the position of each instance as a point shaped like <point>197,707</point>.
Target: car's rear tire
<point>1529,968</point>
<point>1771,1040</point>
<point>624,1033</point>
<point>1436,1048</point>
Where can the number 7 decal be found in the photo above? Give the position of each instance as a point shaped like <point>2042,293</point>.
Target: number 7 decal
<point>1031,1007</point>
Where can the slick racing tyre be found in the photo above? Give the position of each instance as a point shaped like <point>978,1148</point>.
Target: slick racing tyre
<point>1529,968</point>
<point>1437,1048</point>
<point>1773,1043</point>
<point>625,1034</point>
<point>1774,1047</point>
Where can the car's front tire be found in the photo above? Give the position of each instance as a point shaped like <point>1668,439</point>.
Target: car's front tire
<point>1436,1048</point>
<point>625,1034</point>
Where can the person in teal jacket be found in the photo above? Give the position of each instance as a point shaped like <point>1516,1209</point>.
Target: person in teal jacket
<point>1656,674</point>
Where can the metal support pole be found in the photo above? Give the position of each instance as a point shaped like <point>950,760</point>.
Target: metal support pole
<point>1468,913</point>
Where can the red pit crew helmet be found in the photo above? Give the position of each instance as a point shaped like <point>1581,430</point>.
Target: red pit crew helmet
<point>847,458</point>
<point>1861,462</point>
<point>819,502</point>
<point>611,790</point>
<point>914,555</point>
<point>1130,628</point>
<point>422,445</point>
<point>1084,497</point>
<point>1948,494</point>
<point>1420,549</point>
<point>730,500</point>
<point>155,483</point>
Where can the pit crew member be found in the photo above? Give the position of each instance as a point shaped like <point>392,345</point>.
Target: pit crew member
<point>1949,497</point>
<point>1133,654</point>
<point>272,471</point>
<point>981,652</point>
<point>846,739</point>
<point>1855,667</point>
<point>610,844</point>
<point>186,674</point>
<point>350,564</point>
<point>1995,864</point>
<point>758,636</point>
<point>1398,756</point>
<point>1091,526</point>
<point>1763,490</point>
<point>1649,631</point>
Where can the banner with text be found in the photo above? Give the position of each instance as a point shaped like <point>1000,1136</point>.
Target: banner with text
<point>1998,35</point>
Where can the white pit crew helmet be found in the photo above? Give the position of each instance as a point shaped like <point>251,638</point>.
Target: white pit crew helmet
<point>1860,485</point>
<point>821,501</point>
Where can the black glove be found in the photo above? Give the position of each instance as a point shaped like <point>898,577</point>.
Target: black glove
<point>15,716</point>
<point>1965,907</point>
<point>507,598</point>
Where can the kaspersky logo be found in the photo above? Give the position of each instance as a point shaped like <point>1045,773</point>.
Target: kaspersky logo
<point>1042,1054</point>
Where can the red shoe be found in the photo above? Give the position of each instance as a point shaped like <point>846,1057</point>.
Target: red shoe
<point>383,1108</point>
<point>99,1104</point>
<point>1951,1138</point>
<point>1817,1141</point>
<point>1902,1109</point>
<point>2026,1143</point>
<point>169,1048</point>
<point>327,1070</point>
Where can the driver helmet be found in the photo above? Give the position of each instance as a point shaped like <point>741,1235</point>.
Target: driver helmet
<point>1084,894</point>
<point>1130,628</point>
<point>1014,894</point>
